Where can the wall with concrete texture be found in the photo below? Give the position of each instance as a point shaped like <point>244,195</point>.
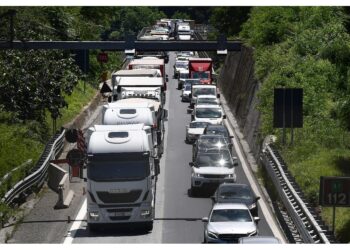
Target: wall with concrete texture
<point>238,85</point>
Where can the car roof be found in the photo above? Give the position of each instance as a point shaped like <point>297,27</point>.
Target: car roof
<point>207,96</point>
<point>208,106</point>
<point>230,206</point>
<point>226,184</point>
<point>217,126</point>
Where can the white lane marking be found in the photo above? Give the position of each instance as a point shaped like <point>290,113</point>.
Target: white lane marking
<point>76,225</point>
<point>270,219</point>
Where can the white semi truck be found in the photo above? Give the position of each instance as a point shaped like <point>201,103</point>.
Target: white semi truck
<point>121,176</point>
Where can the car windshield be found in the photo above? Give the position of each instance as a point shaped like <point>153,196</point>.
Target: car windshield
<point>217,131</point>
<point>230,215</point>
<point>192,81</point>
<point>203,91</point>
<point>198,124</point>
<point>210,143</point>
<point>183,75</point>
<point>208,112</point>
<point>238,192</point>
<point>207,101</point>
<point>118,167</point>
<point>181,64</point>
<point>201,75</point>
<point>188,87</point>
<point>220,159</point>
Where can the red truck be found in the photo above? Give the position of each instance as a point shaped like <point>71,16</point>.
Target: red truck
<point>201,68</point>
<point>150,63</point>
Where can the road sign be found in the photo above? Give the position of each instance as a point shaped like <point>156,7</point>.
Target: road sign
<point>288,108</point>
<point>71,135</point>
<point>102,57</point>
<point>334,191</point>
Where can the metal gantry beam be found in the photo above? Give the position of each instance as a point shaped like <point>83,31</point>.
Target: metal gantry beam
<point>123,45</point>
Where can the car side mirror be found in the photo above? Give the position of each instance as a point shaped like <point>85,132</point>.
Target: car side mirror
<point>218,95</point>
<point>224,117</point>
<point>109,99</point>
<point>257,198</point>
<point>231,136</point>
<point>165,114</point>
<point>235,161</point>
<point>256,219</point>
<point>190,96</point>
<point>167,79</point>
<point>205,219</point>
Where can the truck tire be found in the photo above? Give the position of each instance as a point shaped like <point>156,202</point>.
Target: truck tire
<point>194,191</point>
<point>93,227</point>
<point>149,226</point>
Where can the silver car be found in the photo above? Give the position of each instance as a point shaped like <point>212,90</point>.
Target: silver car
<point>228,222</point>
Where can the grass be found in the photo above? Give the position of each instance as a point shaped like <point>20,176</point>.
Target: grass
<point>307,169</point>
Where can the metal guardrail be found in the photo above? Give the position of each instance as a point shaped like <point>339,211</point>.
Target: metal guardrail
<point>309,225</point>
<point>39,172</point>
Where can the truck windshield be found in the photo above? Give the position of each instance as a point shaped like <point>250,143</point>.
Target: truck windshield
<point>183,75</point>
<point>120,167</point>
<point>203,91</point>
<point>200,75</point>
<point>208,112</point>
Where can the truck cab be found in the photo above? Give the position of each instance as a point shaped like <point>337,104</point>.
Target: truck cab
<point>201,68</point>
<point>121,176</point>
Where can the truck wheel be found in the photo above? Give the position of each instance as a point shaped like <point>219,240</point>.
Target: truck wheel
<point>93,227</point>
<point>149,226</point>
<point>194,191</point>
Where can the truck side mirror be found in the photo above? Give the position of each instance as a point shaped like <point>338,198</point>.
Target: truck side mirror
<point>191,164</point>
<point>218,95</point>
<point>224,117</point>
<point>109,99</point>
<point>190,96</point>
<point>167,78</point>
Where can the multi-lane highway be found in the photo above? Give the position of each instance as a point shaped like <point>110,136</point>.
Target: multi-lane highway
<point>178,215</point>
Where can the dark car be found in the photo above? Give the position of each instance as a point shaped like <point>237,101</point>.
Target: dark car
<point>237,193</point>
<point>209,142</point>
<point>212,129</point>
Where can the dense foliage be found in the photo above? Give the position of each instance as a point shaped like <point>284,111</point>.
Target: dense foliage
<point>307,47</point>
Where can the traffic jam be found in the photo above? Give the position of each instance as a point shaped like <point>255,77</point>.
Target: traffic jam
<point>125,150</point>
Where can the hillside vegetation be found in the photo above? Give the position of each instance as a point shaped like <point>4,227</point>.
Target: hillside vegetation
<point>309,48</point>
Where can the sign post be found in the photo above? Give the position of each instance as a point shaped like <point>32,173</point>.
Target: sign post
<point>334,192</point>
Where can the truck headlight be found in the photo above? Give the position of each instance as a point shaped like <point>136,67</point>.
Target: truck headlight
<point>212,235</point>
<point>145,213</point>
<point>197,175</point>
<point>230,176</point>
<point>94,216</point>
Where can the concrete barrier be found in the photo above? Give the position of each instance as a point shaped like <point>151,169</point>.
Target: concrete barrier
<point>59,182</point>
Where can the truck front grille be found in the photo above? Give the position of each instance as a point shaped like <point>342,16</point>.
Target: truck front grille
<point>119,217</point>
<point>129,197</point>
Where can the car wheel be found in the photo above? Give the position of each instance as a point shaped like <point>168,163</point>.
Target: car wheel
<point>194,191</point>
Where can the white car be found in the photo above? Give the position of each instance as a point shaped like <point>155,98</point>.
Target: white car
<point>208,113</point>
<point>186,91</point>
<point>194,130</point>
<point>182,76</point>
<point>228,222</point>
<point>211,168</point>
<point>179,64</point>
<point>207,99</point>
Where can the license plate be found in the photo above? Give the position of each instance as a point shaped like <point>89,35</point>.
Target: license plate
<point>121,214</point>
